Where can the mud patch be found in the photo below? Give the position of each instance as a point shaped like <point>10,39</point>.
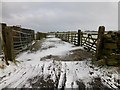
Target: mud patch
<point>81,85</point>
<point>39,82</point>
<point>97,84</point>
<point>36,46</point>
<point>28,59</point>
<point>75,55</point>
<point>57,58</point>
<point>2,77</point>
<point>45,48</point>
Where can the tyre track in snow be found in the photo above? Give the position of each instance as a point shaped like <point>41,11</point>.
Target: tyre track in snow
<point>22,72</point>
<point>10,76</point>
<point>75,77</point>
<point>62,80</point>
<point>17,77</point>
<point>71,76</point>
<point>68,77</point>
<point>24,78</point>
<point>37,72</point>
<point>28,75</point>
<point>49,71</point>
<point>5,80</point>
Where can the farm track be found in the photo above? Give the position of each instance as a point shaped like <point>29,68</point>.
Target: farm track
<point>55,71</point>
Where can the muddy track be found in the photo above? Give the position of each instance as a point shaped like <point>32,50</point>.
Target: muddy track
<point>40,79</point>
<point>46,68</point>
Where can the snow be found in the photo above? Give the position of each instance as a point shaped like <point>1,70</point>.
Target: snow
<point>29,66</point>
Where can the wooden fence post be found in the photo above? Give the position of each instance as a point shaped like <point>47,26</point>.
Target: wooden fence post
<point>68,36</point>
<point>79,38</point>
<point>4,42</point>
<point>7,43</point>
<point>56,34</point>
<point>100,42</point>
<point>0,39</point>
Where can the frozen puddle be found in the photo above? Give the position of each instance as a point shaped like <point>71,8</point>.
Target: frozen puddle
<point>31,72</point>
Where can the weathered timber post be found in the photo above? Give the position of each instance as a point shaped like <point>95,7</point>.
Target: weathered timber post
<point>68,36</point>
<point>118,41</point>
<point>79,38</point>
<point>75,40</point>
<point>4,42</point>
<point>100,42</point>
<point>0,39</point>
<point>71,37</point>
<point>7,43</point>
<point>55,34</point>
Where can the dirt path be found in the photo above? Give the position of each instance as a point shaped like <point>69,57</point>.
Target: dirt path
<point>57,64</point>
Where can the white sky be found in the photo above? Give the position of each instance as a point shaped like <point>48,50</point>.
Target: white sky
<point>61,16</point>
<point>60,0</point>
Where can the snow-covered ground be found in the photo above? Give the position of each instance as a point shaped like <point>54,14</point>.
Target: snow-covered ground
<point>32,72</point>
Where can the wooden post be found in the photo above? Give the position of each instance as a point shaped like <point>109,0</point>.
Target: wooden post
<point>79,38</point>
<point>71,37</point>
<point>68,36</point>
<point>4,42</point>
<point>56,34</point>
<point>99,47</point>
<point>0,39</point>
<point>7,43</point>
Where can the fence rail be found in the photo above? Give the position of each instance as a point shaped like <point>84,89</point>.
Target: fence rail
<point>68,36</point>
<point>21,39</point>
<point>103,44</point>
<point>88,41</point>
<point>15,40</point>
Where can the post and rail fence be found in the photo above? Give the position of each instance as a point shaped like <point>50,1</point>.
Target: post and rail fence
<point>88,41</point>
<point>15,40</point>
<point>101,43</point>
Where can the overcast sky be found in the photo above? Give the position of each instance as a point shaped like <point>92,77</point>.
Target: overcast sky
<point>61,16</point>
<point>119,16</point>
